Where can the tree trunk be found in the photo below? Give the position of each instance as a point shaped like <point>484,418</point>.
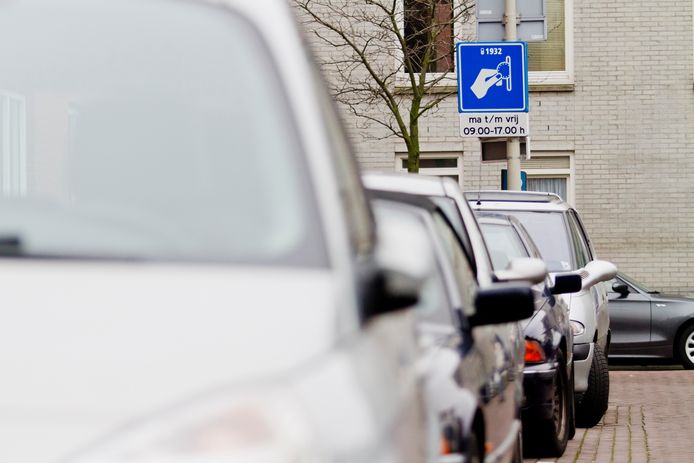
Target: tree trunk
<point>413,139</point>
<point>413,154</point>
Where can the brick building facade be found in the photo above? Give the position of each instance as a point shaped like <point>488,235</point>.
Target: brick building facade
<point>616,126</point>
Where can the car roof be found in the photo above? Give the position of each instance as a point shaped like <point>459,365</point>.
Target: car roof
<point>412,183</point>
<point>493,218</point>
<point>516,200</point>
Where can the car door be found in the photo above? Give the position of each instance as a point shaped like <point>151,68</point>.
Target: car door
<point>501,348</point>
<point>630,319</point>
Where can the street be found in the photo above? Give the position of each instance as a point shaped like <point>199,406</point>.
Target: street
<point>647,420</point>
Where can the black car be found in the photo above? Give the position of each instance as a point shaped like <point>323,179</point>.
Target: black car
<point>547,411</point>
<point>465,329</point>
<point>647,324</point>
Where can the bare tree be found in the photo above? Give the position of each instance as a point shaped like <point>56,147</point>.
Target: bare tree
<point>394,53</point>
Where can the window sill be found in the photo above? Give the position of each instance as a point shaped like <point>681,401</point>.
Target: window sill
<point>551,87</point>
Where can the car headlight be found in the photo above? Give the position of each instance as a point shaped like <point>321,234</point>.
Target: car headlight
<point>577,327</point>
<point>257,429</point>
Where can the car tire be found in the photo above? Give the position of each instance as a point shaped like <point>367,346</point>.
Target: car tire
<point>549,437</point>
<point>591,407</point>
<point>685,348</point>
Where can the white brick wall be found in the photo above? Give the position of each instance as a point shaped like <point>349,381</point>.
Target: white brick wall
<point>630,123</point>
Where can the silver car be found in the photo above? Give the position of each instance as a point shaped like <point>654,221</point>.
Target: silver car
<point>557,230</point>
<point>188,262</point>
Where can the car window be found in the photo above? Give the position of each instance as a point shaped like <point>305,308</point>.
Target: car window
<point>433,305</point>
<point>139,135</point>
<point>549,232</point>
<point>636,284</point>
<point>461,267</point>
<point>450,209</point>
<point>352,194</point>
<point>584,234</point>
<point>579,245</point>
<point>504,244</point>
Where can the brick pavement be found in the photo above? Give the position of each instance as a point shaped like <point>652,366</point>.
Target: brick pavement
<point>648,420</point>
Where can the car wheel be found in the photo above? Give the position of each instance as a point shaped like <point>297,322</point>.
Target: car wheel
<point>593,404</point>
<point>549,437</point>
<point>685,348</point>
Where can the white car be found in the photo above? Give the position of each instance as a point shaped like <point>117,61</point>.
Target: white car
<point>564,244</point>
<point>188,262</point>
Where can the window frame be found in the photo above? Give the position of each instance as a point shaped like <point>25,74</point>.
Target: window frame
<point>566,173</point>
<point>538,79</point>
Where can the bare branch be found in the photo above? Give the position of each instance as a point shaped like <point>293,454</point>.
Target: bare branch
<point>379,56</point>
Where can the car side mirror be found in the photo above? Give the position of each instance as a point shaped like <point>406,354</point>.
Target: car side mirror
<point>405,261</point>
<point>566,283</point>
<point>597,271</point>
<point>523,269</point>
<point>502,304</point>
<point>621,288</point>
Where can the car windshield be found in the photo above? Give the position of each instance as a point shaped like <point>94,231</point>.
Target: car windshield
<point>147,130</point>
<point>548,231</point>
<point>636,284</point>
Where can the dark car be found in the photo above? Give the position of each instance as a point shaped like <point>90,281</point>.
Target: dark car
<point>547,412</point>
<point>647,324</point>
<point>474,373</point>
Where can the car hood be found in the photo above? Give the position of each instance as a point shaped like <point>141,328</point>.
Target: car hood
<point>85,347</point>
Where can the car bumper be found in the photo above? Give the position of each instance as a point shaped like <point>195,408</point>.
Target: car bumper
<point>538,392</point>
<point>583,359</point>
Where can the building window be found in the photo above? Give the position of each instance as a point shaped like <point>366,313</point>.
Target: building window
<point>557,185</point>
<point>430,25</point>
<point>551,62</point>
<point>441,164</point>
<point>429,34</point>
<point>13,158</point>
<point>550,172</point>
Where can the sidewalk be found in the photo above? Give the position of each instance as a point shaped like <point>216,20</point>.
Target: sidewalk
<point>650,419</point>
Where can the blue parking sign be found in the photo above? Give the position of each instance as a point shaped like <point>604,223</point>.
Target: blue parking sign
<point>492,77</point>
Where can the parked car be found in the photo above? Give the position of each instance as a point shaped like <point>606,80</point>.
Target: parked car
<point>647,324</point>
<point>501,346</point>
<point>456,373</point>
<point>548,382</point>
<point>557,230</point>
<point>189,266</point>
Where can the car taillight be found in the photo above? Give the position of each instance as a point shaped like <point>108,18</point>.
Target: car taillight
<point>534,353</point>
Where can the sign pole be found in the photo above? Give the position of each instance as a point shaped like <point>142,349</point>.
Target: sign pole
<point>512,144</point>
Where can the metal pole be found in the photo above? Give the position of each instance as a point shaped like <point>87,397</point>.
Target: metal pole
<point>513,171</point>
